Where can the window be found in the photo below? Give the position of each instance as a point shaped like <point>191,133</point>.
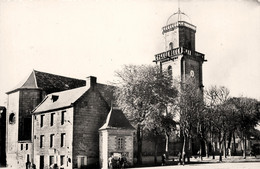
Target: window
<point>27,128</point>
<point>21,146</point>
<point>54,98</point>
<point>82,161</point>
<point>52,118</point>
<point>28,157</point>
<point>170,70</point>
<point>42,117</point>
<point>26,146</point>
<point>51,160</point>
<point>12,118</point>
<point>51,140</point>
<point>62,160</point>
<point>170,45</point>
<point>120,143</point>
<point>62,117</point>
<point>41,141</point>
<point>62,143</point>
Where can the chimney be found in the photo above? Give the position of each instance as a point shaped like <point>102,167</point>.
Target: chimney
<point>91,81</point>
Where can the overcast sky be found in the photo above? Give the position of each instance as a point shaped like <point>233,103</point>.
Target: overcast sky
<point>81,38</point>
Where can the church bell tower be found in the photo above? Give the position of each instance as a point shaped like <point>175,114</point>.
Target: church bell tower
<point>180,57</point>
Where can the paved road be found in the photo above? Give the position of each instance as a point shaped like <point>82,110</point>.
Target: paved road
<point>246,165</point>
<point>234,165</point>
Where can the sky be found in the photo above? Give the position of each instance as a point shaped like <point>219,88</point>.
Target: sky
<point>77,38</point>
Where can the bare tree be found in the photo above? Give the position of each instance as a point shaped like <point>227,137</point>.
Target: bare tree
<point>217,109</point>
<point>190,106</point>
<point>144,93</point>
<point>248,115</point>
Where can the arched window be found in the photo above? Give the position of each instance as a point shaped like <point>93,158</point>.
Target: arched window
<point>170,45</point>
<point>12,118</point>
<point>170,70</point>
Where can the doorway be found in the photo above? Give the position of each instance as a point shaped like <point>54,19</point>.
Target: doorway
<point>41,162</point>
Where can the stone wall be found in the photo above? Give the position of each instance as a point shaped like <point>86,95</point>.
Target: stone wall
<point>187,38</point>
<point>12,121</point>
<point>2,136</point>
<point>24,153</point>
<point>28,100</point>
<point>57,129</point>
<point>128,143</point>
<point>89,115</point>
<point>110,145</point>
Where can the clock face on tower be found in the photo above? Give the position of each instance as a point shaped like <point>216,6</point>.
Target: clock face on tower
<point>191,73</point>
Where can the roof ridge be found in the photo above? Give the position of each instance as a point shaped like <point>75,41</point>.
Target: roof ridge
<point>68,90</point>
<point>57,75</point>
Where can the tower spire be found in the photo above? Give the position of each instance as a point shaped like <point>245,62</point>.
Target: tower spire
<point>179,11</point>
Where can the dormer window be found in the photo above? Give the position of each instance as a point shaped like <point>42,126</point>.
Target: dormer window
<point>54,98</point>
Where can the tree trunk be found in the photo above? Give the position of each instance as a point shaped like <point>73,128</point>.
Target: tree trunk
<point>212,143</point>
<point>188,154</point>
<point>229,144</point>
<point>225,147</point>
<point>183,149</point>
<point>155,151</point>
<point>244,152</point>
<point>213,150</point>
<point>201,151</point>
<point>220,153</point>
<point>206,148</point>
<point>234,142</point>
<point>167,145</point>
<point>229,140</point>
<point>212,147</point>
<point>220,149</point>
<point>139,147</point>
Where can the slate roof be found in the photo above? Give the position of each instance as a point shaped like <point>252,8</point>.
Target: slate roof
<point>59,100</point>
<point>116,120</point>
<point>48,82</point>
<point>107,91</point>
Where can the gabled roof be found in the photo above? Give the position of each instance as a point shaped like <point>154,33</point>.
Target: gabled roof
<point>59,100</point>
<point>116,120</point>
<point>48,82</point>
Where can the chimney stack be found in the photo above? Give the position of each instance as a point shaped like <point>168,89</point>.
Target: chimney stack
<point>91,81</point>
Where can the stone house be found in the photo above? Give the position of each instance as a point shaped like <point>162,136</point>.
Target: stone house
<point>116,138</point>
<point>66,127</point>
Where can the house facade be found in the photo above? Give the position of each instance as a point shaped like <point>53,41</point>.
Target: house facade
<point>66,127</point>
<point>54,121</point>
